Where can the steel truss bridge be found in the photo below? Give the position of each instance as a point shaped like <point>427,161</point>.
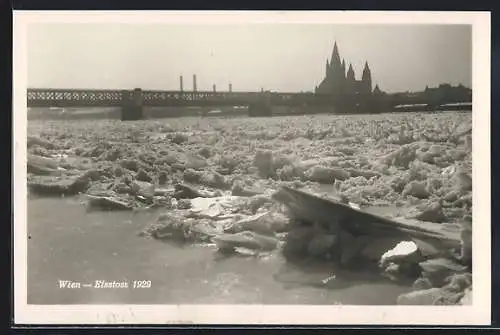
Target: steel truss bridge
<point>92,98</point>
<point>132,102</point>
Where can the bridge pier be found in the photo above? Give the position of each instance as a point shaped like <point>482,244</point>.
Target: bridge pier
<point>132,105</point>
<point>261,107</point>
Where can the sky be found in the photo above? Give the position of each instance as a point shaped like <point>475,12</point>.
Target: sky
<point>277,57</point>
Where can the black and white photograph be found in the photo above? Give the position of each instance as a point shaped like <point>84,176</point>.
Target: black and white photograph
<point>252,167</point>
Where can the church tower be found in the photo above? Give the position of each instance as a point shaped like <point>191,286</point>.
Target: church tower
<point>336,74</point>
<point>350,80</point>
<point>350,74</point>
<point>335,61</point>
<point>338,82</point>
<point>367,79</point>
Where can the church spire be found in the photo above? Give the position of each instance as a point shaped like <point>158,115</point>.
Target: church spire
<point>335,61</point>
<point>366,72</point>
<point>327,67</point>
<point>367,78</point>
<point>350,74</point>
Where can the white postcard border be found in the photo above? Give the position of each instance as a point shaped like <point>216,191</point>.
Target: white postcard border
<point>477,314</point>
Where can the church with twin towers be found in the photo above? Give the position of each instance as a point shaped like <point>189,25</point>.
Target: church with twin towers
<point>338,82</point>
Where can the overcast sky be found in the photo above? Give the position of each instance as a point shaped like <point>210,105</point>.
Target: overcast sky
<point>280,57</point>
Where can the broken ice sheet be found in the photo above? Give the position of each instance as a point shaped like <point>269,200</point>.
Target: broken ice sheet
<point>245,251</point>
<point>354,205</point>
<point>401,250</point>
<point>213,208</point>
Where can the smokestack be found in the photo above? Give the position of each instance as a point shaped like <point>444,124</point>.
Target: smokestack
<point>214,88</point>
<point>230,87</point>
<point>194,83</point>
<point>181,83</point>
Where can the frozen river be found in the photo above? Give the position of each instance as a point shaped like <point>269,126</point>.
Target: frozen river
<point>67,243</point>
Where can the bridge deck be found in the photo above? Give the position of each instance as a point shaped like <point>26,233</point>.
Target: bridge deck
<point>49,97</point>
<point>84,98</point>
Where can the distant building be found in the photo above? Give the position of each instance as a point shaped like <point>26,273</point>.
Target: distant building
<point>338,82</point>
<point>446,93</point>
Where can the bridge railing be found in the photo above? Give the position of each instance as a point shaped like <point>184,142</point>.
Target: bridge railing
<point>172,98</point>
<point>82,98</point>
<point>73,97</point>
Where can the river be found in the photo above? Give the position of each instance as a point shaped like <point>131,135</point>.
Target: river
<point>66,242</point>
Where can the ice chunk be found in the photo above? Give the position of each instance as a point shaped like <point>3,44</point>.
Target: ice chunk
<point>401,250</point>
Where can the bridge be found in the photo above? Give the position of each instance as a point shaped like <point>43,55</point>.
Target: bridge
<point>261,103</point>
<point>92,98</point>
<point>132,101</point>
